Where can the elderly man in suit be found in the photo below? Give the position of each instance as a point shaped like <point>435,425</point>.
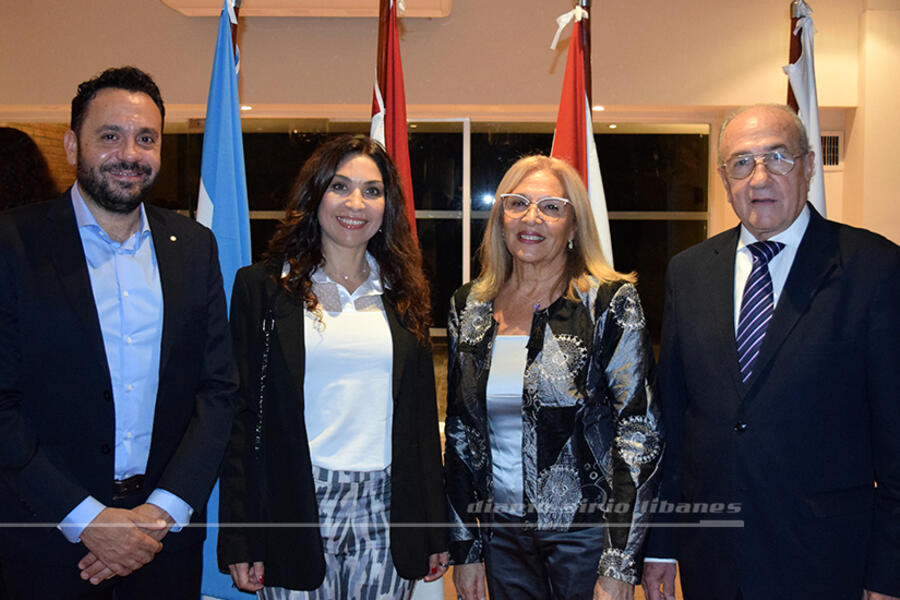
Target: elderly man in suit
<point>780,384</point>
<point>117,382</point>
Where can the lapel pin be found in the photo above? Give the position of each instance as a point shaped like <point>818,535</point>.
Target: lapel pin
<point>172,238</point>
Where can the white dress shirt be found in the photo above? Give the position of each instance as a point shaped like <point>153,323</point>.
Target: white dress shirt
<point>347,386</point>
<point>779,266</point>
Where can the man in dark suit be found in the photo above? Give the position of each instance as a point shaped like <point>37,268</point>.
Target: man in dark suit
<point>117,382</point>
<point>780,384</point>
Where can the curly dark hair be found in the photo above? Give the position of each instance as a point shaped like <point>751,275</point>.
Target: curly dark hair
<point>130,79</point>
<point>24,174</point>
<point>298,238</point>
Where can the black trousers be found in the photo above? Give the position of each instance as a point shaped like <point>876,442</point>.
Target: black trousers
<point>527,564</point>
<point>170,575</point>
<point>173,575</point>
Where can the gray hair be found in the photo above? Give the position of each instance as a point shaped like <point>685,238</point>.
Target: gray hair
<point>795,119</point>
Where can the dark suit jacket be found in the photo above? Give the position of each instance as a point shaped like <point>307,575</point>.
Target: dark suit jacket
<point>801,445</point>
<point>278,486</point>
<point>57,421</point>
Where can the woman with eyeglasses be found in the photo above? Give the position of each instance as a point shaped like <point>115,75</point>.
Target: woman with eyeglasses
<point>331,486</point>
<point>552,435</point>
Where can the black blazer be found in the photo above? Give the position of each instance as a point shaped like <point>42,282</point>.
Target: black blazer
<point>277,487</point>
<point>57,421</point>
<point>802,443</point>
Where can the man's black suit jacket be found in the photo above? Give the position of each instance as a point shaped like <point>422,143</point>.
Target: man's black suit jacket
<point>801,445</point>
<point>57,421</point>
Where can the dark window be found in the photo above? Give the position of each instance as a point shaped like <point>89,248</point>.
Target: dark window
<point>645,176</point>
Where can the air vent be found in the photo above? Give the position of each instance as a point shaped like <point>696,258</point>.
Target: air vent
<point>832,146</point>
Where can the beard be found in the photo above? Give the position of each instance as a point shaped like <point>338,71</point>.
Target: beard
<point>122,199</point>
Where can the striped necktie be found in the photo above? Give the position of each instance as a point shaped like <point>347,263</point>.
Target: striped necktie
<point>757,306</point>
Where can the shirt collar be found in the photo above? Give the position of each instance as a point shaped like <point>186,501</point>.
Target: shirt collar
<point>792,236</point>
<point>84,218</point>
<point>370,287</point>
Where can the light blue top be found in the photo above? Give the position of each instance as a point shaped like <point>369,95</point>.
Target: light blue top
<point>504,416</point>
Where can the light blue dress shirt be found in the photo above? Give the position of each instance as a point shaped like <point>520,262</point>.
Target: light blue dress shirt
<point>128,295</point>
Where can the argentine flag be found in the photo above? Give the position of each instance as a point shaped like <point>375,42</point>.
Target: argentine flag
<point>223,208</point>
<point>223,184</point>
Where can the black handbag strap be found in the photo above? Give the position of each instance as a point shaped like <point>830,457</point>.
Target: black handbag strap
<point>268,325</point>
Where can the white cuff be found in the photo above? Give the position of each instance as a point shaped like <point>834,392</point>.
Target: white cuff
<point>662,560</point>
<point>80,517</point>
<point>178,509</point>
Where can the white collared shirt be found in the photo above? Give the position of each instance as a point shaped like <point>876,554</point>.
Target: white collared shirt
<point>347,386</point>
<point>779,266</point>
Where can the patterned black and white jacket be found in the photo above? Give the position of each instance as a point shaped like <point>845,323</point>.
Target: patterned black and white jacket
<point>591,439</point>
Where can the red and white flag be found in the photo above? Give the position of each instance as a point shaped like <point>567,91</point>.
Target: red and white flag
<point>389,103</point>
<point>802,95</point>
<point>573,139</point>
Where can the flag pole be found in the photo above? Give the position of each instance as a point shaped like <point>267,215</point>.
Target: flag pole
<point>586,39</point>
<point>384,9</point>
<point>236,4</point>
<point>796,47</point>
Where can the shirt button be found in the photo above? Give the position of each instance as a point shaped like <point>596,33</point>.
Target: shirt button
<point>740,427</point>
<point>127,339</point>
<point>129,387</point>
<point>125,293</point>
<point>105,449</point>
<point>128,435</point>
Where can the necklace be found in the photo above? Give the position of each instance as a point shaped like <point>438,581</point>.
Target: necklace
<point>362,273</point>
<point>538,302</point>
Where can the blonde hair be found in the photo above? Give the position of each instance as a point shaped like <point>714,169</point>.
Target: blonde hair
<point>583,262</point>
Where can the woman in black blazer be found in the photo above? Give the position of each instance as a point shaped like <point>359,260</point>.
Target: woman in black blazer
<point>336,436</point>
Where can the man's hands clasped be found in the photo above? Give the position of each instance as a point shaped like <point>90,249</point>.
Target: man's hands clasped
<point>121,541</point>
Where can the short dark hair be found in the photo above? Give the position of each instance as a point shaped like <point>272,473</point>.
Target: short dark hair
<point>131,79</point>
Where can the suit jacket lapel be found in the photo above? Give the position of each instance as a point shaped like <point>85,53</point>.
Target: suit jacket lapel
<point>171,278</point>
<point>721,298</point>
<point>815,263</point>
<point>67,254</point>
<point>403,341</point>
<point>289,315</point>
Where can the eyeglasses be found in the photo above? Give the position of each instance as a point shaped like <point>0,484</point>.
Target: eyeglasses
<point>776,162</point>
<point>517,205</point>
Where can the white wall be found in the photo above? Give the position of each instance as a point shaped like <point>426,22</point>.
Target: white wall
<point>490,58</point>
<point>873,177</point>
<point>649,53</point>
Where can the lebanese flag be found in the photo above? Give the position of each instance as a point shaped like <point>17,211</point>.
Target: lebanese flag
<point>573,139</point>
<point>389,103</point>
